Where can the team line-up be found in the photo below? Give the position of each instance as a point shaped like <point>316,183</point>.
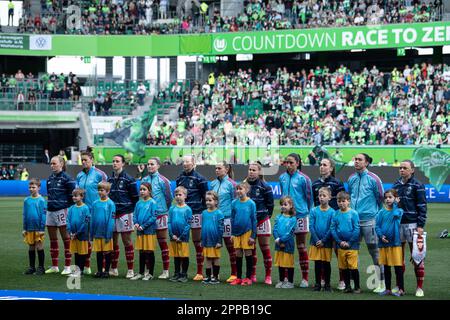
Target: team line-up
<point>91,212</point>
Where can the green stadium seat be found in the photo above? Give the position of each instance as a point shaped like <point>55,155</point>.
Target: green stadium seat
<point>108,86</point>
<point>101,86</point>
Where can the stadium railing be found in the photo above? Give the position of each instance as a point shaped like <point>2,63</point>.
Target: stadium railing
<point>37,105</point>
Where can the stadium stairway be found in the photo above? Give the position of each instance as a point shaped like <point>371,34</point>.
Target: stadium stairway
<point>86,130</point>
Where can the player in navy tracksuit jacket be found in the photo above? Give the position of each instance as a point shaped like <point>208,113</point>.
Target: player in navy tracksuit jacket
<point>196,186</point>
<point>59,190</point>
<point>125,195</point>
<point>414,204</point>
<point>261,193</point>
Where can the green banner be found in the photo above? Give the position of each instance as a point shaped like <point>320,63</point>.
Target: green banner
<point>331,39</point>
<point>300,40</point>
<point>20,42</point>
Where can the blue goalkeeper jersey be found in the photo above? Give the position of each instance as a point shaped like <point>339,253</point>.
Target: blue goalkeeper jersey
<point>243,217</point>
<point>34,213</point>
<point>160,192</point>
<point>226,189</point>
<point>298,187</point>
<point>78,220</point>
<point>212,228</point>
<point>89,182</point>
<point>180,222</point>
<point>366,192</point>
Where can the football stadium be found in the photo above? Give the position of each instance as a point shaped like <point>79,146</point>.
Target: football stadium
<point>224,150</point>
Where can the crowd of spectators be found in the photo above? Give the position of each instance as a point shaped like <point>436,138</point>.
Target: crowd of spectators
<point>30,88</point>
<point>150,16</point>
<point>405,106</point>
<point>13,172</point>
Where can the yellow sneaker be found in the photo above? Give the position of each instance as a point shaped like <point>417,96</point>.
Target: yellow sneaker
<point>231,279</point>
<point>198,277</point>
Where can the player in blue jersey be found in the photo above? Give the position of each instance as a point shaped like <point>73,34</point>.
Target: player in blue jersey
<point>59,198</point>
<point>180,216</point>
<point>34,215</point>
<point>321,240</point>
<point>145,224</point>
<point>261,193</point>
<point>102,228</point>
<point>388,231</point>
<point>283,233</point>
<point>212,233</point>
<point>243,231</point>
<point>345,231</point>
<point>78,220</point>
<point>366,191</point>
<point>297,185</point>
<point>196,186</point>
<point>225,187</point>
<point>88,179</point>
<point>163,198</point>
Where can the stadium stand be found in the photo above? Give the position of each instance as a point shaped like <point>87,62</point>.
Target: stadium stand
<point>146,16</point>
<point>48,92</point>
<point>370,107</point>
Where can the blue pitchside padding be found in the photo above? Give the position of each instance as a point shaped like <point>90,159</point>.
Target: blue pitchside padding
<point>45,295</point>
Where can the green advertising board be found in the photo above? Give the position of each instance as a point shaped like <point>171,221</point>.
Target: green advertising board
<point>388,153</point>
<point>20,42</point>
<point>279,41</point>
<point>350,38</point>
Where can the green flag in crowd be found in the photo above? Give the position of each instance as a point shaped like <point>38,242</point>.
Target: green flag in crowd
<point>138,135</point>
<point>434,163</point>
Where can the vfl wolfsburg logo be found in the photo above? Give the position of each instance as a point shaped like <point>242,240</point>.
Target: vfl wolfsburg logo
<point>220,45</point>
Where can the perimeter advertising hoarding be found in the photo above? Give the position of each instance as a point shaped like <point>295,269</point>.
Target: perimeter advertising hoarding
<point>279,41</point>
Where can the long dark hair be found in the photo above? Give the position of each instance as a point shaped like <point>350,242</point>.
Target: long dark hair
<point>367,158</point>
<point>229,168</point>
<point>297,158</point>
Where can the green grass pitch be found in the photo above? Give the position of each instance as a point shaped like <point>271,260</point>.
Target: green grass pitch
<point>14,260</point>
